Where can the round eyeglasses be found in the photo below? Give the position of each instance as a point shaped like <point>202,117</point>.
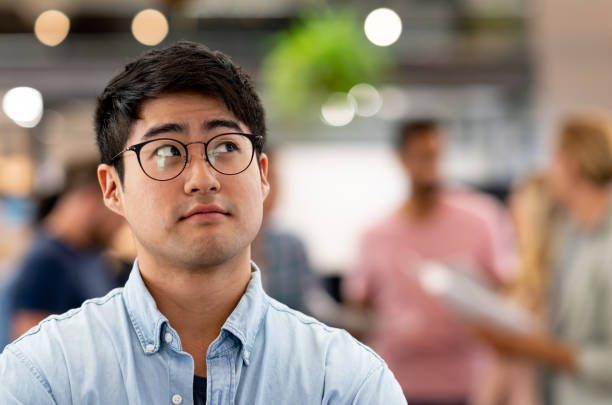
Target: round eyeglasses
<point>164,159</point>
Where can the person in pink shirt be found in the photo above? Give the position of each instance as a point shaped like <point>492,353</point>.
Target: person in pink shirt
<point>430,352</point>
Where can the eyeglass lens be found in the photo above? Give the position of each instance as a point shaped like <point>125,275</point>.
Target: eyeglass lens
<point>164,159</point>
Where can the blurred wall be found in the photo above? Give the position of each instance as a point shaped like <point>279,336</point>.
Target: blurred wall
<point>572,45</point>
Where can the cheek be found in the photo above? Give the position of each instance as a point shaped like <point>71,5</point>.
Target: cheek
<point>558,176</point>
<point>146,206</point>
<point>250,198</point>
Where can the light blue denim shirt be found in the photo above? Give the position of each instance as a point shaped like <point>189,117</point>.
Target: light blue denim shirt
<point>120,349</point>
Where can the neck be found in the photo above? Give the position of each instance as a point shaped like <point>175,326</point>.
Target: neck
<point>197,302</point>
<point>258,251</point>
<point>422,203</point>
<point>588,205</point>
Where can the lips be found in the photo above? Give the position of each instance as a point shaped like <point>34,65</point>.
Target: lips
<point>209,211</point>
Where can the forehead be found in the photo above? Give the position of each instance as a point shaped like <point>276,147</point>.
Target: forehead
<point>180,108</point>
<point>423,139</point>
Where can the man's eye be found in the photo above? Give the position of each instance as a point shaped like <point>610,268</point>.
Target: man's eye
<point>167,150</point>
<point>226,147</point>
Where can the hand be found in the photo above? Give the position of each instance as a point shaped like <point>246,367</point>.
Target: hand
<point>534,347</point>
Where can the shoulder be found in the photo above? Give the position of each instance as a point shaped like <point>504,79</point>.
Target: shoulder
<point>475,205</point>
<point>349,371</point>
<point>331,345</point>
<point>70,337</point>
<point>43,264</point>
<point>41,256</point>
<point>383,228</point>
<point>55,354</point>
<point>98,308</point>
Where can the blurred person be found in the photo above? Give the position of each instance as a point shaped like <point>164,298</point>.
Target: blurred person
<point>287,275</point>
<point>428,350</point>
<point>535,216</point>
<point>578,345</point>
<point>65,266</point>
<point>180,132</point>
<point>286,272</point>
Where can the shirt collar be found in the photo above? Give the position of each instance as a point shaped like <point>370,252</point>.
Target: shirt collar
<point>246,319</point>
<point>244,322</point>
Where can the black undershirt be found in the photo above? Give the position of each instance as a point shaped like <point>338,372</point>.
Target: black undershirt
<point>199,390</point>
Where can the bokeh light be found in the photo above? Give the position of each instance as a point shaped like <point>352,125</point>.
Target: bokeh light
<point>383,27</point>
<point>51,27</point>
<point>24,105</point>
<point>338,110</point>
<point>150,27</point>
<point>368,99</point>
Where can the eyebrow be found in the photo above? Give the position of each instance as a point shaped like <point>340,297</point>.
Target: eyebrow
<point>164,128</point>
<point>221,123</point>
<point>180,128</point>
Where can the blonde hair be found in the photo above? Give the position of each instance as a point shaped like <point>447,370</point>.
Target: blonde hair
<point>588,140</point>
<point>535,217</point>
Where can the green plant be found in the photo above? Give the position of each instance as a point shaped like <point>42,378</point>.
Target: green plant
<point>319,55</point>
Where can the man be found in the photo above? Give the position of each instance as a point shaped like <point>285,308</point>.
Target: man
<point>427,349</point>
<point>180,132</point>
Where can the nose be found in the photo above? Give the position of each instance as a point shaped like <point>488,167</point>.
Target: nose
<point>200,177</point>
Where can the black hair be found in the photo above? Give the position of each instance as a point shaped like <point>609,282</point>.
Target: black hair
<point>408,130</point>
<point>182,67</point>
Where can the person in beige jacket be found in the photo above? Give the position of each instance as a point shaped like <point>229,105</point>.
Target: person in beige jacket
<point>577,295</point>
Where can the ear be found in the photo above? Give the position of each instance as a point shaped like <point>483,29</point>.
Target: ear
<point>263,164</point>
<point>112,192</point>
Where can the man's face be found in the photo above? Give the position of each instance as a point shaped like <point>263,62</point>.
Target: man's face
<point>158,211</point>
<point>421,157</point>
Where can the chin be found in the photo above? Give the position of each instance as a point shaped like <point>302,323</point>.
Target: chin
<point>208,260</point>
<point>211,252</point>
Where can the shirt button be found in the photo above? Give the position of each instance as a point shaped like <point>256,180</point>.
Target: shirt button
<point>168,337</point>
<point>149,348</point>
<point>247,354</point>
<point>177,399</point>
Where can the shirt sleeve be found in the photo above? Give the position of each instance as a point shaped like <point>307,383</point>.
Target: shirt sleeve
<point>380,387</point>
<point>20,382</point>
<point>356,375</point>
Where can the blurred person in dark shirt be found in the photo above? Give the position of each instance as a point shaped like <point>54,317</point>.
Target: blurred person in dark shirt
<point>65,265</point>
<point>288,275</point>
<point>427,348</point>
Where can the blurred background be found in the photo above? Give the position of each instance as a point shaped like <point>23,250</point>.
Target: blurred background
<point>475,64</point>
<point>336,77</point>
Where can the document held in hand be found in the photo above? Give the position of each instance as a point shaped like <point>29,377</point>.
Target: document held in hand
<point>472,300</point>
